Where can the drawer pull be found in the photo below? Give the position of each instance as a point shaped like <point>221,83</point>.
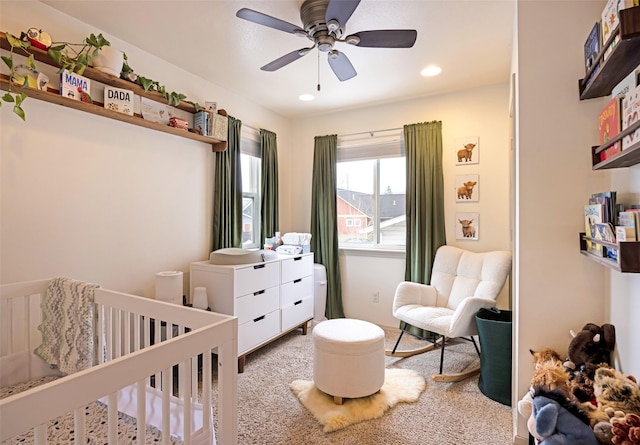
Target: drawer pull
<point>298,258</point>
<point>255,320</point>
<point>298,280</point>
<point>259,292</point>
<point>297,303</point>
<point>259,266</point>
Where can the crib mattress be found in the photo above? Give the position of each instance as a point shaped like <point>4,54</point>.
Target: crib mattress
<point>60,430</point>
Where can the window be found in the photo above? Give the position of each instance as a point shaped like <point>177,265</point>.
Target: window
<point>371,176</point>
<point>250,164</point>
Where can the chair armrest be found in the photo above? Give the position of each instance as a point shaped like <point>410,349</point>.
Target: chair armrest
<point>463,321</point>
<point>408,293</point>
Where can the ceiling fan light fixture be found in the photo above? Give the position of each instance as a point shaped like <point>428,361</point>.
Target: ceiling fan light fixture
<point>431,70</point>
<point>352,39</point>
<point>333,25</point>
<point>306,97</point>
<point>300,33</point>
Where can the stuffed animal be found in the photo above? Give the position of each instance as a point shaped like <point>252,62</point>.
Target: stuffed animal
<point>558,421</point>
<point>626,430</point>
<point>590,347</point>
<point>602,429</point>
<point>548,375</point>
<point>613,390</point>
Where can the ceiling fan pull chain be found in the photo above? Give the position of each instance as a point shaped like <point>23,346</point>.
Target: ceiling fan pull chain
<point>318,70</point>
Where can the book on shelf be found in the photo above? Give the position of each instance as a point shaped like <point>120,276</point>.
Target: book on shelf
<point>608,201</point>
<point>609,126</point>
<point>630,115</point>
<point>118,99</point>
<point>609,18</point>
<point>606,232</point>
<point>592,47</point>
<point>74,86</point>
<point>593,214</point>
<point>201,123</point>
<point>625,233</point>
<point>626,85</point>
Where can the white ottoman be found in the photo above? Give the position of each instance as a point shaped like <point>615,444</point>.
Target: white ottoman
<point>348,358</point>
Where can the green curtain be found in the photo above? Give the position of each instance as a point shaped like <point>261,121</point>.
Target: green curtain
<point>324,220</point>
<point>425,203</point>
<point>269,185</point>
<point>227,192</point>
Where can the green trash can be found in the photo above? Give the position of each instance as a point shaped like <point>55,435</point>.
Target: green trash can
<point>494,333</point>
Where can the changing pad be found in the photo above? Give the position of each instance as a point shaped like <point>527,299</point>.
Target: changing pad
<point>234,255</point>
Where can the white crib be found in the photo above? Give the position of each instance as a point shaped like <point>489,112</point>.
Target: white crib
<point>157,383</point>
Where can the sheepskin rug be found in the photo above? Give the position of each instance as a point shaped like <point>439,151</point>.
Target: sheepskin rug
<point>400,385</point>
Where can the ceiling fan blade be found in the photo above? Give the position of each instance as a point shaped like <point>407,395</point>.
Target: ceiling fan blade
<point>386,38</point>
<point>341,10</point>
<point>341,65</point>
<point>286,59</point>
<point>267,20</point>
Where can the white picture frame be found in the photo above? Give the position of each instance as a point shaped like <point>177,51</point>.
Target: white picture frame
<point>467,188</point>
<point>467,226</point>
<point>467,150</point>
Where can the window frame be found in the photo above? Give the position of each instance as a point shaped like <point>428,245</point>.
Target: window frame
<point>372,146</point>
<point>250,146</point>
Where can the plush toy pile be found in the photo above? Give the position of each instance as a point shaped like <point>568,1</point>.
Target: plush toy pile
<point>582,400</point>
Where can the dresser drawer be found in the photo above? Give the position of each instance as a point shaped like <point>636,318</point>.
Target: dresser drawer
<point>297,313</point>
<point>254,305</point>
<point>296,290</point>
<point>297,267</point>
<point>256,277</point>
<point>256,332</point>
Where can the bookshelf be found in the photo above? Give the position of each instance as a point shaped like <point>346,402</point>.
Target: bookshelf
<point>625,56</point>
<point>628,254</point>
<point>53,96</point>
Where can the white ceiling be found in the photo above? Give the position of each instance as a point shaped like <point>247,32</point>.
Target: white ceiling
<point>471,40</point>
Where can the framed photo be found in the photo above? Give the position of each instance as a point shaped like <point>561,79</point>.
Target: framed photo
<point>467,188</point>
<point>467,226</point>
<point>467,150</point>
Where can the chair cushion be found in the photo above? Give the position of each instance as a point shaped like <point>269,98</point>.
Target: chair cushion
<point>434,319</point>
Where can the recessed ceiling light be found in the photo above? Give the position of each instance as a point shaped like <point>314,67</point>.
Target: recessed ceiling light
<point>306,97</point>
<point>431,70</point>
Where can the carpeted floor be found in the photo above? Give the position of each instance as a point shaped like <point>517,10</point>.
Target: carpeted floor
<point>446,413</point>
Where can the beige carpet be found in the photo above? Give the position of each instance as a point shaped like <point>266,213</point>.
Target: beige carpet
<point>444,414</point>
<point>400,385</point>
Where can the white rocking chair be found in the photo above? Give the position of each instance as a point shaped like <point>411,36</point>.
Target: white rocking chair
<point>462,283</point>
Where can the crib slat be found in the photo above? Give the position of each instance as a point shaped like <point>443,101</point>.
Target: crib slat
<point>187,413</point>
<point>112,419</point>
<point>166,393</point>
<point>141,414</point>
<point>79,416</point>
<point>40,434</point>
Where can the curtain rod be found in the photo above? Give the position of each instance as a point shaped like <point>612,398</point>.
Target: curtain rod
<point>369,132</point>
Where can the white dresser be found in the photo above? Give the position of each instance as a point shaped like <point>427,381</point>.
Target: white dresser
<point>270,298</point>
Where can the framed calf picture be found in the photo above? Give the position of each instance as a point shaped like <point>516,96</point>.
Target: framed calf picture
<point>467,188</point>
<point>467,226</point>
<point>467,150</point>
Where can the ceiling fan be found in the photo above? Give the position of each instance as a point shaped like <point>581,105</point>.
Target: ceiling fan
<point>324,24</point>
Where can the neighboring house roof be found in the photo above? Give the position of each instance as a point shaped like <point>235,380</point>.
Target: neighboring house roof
<point>391,205</point>
<point>387,223</point>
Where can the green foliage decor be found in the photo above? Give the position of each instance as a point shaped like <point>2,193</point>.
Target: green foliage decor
<point>75,57</point>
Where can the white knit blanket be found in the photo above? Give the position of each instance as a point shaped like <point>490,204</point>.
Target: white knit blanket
<point>68,325</point>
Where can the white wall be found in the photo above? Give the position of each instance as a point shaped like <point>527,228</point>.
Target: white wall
<point>556,288</point>
<point>482,112</point>
<point>100,200</point>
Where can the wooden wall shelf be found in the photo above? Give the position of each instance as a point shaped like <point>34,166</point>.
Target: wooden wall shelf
<point>53,96</point>
<point>626,158</point>
<point>628,253</point>
<point>624,57</point>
